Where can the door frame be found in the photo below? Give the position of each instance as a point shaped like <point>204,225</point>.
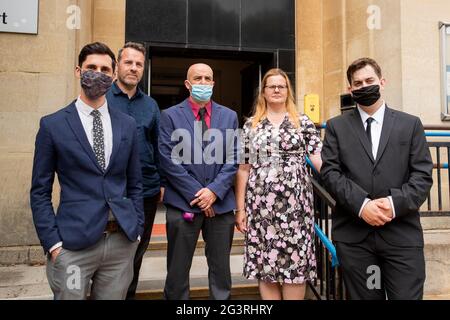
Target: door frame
<point>268,58</point>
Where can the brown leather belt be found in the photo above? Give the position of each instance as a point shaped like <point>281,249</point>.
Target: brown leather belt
<point>112,226</point>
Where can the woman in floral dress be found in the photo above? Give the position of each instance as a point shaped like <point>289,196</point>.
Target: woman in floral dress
<point>274,195</point>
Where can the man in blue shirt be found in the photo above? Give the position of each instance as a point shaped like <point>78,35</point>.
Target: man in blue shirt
<point>126,96</point>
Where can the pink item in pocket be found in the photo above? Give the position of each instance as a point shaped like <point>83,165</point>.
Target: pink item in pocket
<point>188,216</point>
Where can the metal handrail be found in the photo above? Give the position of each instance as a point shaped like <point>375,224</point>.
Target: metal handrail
<point>328,244</point>
<point>330,284</point>
<point>429,130</point>
<point>330,202</point>
<point>437,134</point>
<point>323,193</point>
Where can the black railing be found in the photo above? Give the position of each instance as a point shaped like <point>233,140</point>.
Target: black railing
<point>329,284</point>
<point>438,201</point>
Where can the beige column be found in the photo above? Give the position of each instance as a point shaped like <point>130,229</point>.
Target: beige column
<point>309,50</point>
<point>421,57</point>
<point>109,23</point>
<point>361,28</point>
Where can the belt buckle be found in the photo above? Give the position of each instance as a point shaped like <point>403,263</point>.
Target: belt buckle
<point>112,226</point>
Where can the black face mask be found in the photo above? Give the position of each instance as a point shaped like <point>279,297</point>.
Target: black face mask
<point>367,96</point>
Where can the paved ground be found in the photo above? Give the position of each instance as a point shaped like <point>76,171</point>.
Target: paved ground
<point>30,282</point>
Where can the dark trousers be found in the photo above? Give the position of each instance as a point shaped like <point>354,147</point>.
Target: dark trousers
<point>150,206</point>
<point>375,269</point>
<point>182,239</point>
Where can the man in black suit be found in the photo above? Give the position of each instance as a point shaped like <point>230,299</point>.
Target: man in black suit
<point>377,166</point>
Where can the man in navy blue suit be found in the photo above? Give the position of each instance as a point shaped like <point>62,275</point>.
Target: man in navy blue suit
<point>198,168</point>
<point>94,151</point>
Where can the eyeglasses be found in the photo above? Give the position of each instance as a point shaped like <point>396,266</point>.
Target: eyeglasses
<point>279,87</point>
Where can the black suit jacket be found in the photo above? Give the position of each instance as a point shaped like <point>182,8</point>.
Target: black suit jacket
<point>403,170</point>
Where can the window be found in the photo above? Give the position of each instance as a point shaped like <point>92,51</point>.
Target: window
<point>445,70</point>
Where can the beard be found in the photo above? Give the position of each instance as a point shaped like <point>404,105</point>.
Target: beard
<point>129,83</point>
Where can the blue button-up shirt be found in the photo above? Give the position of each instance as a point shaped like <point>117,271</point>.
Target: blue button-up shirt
<point>145,111</point>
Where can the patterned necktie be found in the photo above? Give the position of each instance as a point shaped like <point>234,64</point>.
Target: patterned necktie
<point>99,143</point>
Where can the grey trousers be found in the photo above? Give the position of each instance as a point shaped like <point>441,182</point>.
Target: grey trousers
<point>108,263</point>
<point>182,238</point>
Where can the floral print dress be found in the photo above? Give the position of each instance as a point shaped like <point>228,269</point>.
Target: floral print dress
<point>279,201</point>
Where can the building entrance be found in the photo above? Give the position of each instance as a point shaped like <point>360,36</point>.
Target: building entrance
<point>236,74</point>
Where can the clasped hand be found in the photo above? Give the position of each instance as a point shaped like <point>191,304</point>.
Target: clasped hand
<point>204,200</point>
<point>377,212</point>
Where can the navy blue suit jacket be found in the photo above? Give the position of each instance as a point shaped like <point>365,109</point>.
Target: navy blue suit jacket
<point>87,193</point>
<point>183,181</point>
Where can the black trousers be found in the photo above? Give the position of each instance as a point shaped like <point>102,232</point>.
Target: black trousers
<point>375,269</point>
<point>150,206</point>
<point>182,239</point>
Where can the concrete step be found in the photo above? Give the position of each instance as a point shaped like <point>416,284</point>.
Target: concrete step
<point>238,292</point>
<point>437,297</point>
<point>241,290</point>
<point>158,246</point>
<point>437,262</point>
<point>435,223</point>
<point>24,282</point>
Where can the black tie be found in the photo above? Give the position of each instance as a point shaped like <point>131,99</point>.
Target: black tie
<point>202,113</point>
<point>368,129</point>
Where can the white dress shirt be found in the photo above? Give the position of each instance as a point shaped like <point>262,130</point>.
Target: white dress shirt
<point>87,120</point>
<point>375,132</point>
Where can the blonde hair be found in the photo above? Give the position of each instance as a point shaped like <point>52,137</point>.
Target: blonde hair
<point>260,106</point>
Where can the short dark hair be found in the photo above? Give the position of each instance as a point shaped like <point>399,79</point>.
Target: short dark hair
<point>96,48</point>
<point>361,63</point>
<point>134,45</point>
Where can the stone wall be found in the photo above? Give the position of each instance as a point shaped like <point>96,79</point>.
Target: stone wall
<point>109,23</point>
<point>421,57</point>
<point>332,34</point>
<point>396,33</point>
<point>37,77</point>
<point>36,72</point>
